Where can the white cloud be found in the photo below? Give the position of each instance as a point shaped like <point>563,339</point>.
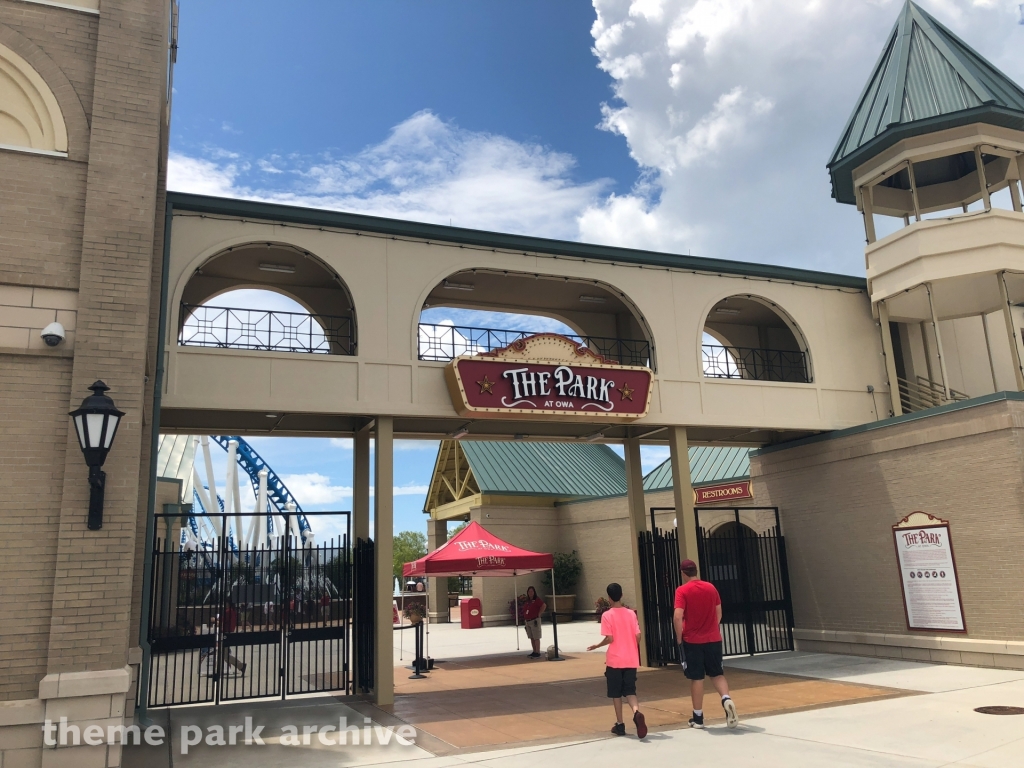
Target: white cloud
<point>425,170</point>
<point>313,489</point>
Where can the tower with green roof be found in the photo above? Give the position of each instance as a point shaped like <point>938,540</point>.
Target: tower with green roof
<point>936,139</point>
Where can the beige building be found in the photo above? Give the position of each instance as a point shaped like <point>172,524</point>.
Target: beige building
<point>869,399</point>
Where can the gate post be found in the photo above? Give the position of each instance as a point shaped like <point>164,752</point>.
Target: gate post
<point>384,544</point>
<point>682,491</point>
<point>637,523</point>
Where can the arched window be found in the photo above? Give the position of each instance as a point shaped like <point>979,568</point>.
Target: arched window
<point>748,337</point>
<point>480,310</point>
<point>30,117</point>
<point>266,296</point>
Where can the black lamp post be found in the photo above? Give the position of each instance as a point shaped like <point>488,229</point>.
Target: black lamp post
<point>96,423</point>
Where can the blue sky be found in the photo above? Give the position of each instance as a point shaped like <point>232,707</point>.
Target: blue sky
<point>690,126</point>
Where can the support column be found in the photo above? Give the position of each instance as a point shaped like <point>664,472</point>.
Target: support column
<point>682,492</point>
<point>913,191</point>
<point>1015,196</point>
<point>867,203</point>
<point>361,484</point>
<point>384,547</point>
<point>1011,333</point>
<point>437,534</point>
<point>890,360</point>
<point>637,523</point>
<point>988,349</point>
<point>982,181</point>
<point>938,341</point>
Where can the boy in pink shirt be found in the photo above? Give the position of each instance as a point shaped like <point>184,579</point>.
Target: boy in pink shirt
<point>621,633</point>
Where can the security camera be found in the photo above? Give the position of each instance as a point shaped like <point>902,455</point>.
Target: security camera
<point>53,334</point>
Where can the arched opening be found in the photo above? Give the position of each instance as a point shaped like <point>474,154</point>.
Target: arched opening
<point>30,117</point>
<point>271,297</point>
<point>479,310</point>
<point>747,337</point>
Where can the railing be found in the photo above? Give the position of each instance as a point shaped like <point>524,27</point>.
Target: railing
<point>924,393</point>
<point>721,362</point>
<point>267,330</point>
<point>446,342</point>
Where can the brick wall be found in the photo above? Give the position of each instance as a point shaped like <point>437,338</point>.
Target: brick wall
<point>840,497</point>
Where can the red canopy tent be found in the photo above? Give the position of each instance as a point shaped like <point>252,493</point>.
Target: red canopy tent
<point>475,551</point>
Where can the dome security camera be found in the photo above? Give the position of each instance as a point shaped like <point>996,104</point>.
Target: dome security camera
<point>53,334</point>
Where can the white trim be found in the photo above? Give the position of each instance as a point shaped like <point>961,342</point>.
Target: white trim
<point>67,6</point>
<point>922,641</point>
<point>30,150</point>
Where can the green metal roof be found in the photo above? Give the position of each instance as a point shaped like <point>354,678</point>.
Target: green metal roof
<point>927,79</point>
<point>565,470</point>
<point>708,464</point>
<point>316,217</point>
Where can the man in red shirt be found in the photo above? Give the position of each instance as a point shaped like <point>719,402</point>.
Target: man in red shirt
<point>697,616</point>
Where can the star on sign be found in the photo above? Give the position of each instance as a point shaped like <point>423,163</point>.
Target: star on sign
<point>486,386</point>
<point>625,393</point>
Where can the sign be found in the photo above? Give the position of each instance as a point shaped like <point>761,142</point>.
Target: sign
<point>931,590</point>
<point>716,494</point>
<point>548,375</point>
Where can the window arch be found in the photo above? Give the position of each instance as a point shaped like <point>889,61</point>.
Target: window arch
<point>750,337</point>
<point>268,296</point>
<point>30,117</point>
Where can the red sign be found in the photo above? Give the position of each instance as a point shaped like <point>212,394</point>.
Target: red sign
<point>716,494</point>
<point>548,375</point>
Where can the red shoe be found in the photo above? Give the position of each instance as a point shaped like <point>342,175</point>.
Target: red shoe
<point>640,723</point>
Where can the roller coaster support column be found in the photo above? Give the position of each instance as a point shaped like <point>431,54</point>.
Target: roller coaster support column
<point>383,537</point>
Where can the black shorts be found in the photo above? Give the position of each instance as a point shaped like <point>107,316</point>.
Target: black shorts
<point>703,659</point>
<point>621,682</point>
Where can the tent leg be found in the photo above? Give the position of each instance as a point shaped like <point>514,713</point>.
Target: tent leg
<point>554,617</point>
<point>515,607</point>
<point>426,620</point>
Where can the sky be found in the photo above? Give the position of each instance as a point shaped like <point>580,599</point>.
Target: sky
<point>689,126</point>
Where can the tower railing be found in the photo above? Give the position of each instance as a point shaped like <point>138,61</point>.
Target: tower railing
<point>268,330</point>
<point>725,362</point>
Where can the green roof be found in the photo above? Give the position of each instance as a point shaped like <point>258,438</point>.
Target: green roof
<point>708,464</point>
<point>927,79</point>
<point>565,470</point>
<point>316,217</point>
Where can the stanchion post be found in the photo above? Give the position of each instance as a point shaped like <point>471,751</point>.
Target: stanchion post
<point>416,668</point>
<point>554,616</point>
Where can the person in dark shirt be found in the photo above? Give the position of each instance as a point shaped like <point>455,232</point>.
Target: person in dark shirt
<point>532,609</point>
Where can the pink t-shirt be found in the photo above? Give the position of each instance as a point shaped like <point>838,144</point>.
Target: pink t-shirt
<point>621,625</point>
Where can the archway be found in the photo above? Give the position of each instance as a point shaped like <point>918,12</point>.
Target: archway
<point>30,117</point>
<point>748,337</point>
<point>589,311</point>
<point>285,299</point>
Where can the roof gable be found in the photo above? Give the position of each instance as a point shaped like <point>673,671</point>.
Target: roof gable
<point>565,470</point>
<point>925,79</point>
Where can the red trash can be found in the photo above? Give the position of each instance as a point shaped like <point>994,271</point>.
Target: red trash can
<point>472,615</point>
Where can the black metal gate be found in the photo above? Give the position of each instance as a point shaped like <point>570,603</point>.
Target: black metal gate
<point>229,622</point>
<point>364,630</point>
<point>743,553</point>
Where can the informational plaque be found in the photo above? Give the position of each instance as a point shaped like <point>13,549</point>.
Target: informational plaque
<point>931,590</point>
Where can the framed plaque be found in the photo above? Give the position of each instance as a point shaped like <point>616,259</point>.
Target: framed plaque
<point>931,589</point>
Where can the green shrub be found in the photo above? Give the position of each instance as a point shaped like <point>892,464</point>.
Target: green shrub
<point>568,568</point>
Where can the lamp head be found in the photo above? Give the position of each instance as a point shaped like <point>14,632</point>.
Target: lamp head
<point>96,422</point>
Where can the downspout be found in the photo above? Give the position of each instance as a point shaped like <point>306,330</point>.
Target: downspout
<point>147,562</point>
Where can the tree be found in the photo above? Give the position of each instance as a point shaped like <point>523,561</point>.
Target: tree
<point>409,546</point>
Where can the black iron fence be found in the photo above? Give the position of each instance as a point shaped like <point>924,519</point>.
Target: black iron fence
<point>364,631</point>
<point>229,622</point>
<point>267,330</point>
<point>446,342</point>
<point>721,362</point>
<point>749,569</point>
<point>659,578</point>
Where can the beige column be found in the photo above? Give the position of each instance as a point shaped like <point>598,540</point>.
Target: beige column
<point>361,484</point>
<point>1015,196</point>
<point>988,349</point>
<point>867,202</point>
<point>1011,332</point>
<point>982,181</point>
<point>384,547</point>
<point>682,492</point>
<point>437,534</point>
<point>938,341</point>
<point>890,359</point>
<point>637,523</point>
<point>913,191</point>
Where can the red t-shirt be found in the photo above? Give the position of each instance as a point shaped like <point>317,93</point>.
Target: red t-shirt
<point>698,600</point>
<point>531,609</point>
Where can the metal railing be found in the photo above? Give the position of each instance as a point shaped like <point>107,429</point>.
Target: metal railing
<point>446,342</point>
<point>268,330</point>
<point>721,362</point>
<point>924,393</point>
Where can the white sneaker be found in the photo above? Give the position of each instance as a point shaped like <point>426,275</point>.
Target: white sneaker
<point>731,718</point>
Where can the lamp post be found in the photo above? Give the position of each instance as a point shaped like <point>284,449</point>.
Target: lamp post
<point>96,423</point>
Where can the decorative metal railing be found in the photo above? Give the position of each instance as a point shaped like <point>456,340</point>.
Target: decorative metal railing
<point>721,362</point>
<point>269,330</point>
<point>924,393</point>
<point>446,342</point>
